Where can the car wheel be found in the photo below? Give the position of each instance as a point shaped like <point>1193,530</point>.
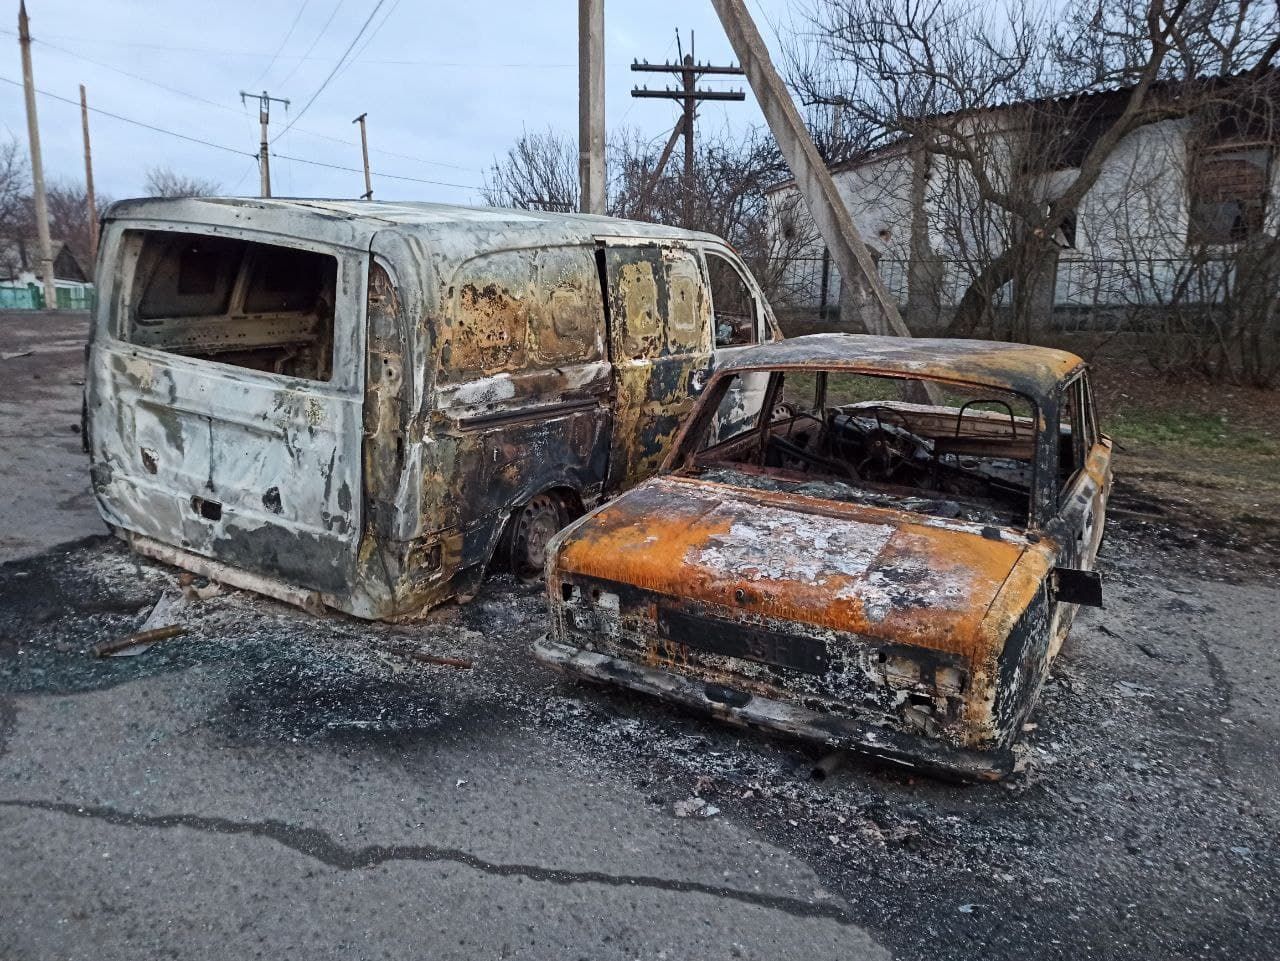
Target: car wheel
<point>532,526</point>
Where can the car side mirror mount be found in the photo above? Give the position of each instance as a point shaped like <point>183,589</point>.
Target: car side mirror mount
<point>1071,586</point>
<point>698,379</point>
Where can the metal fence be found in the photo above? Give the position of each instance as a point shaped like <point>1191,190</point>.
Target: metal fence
<point>31,297</point>
<point>813,283</point>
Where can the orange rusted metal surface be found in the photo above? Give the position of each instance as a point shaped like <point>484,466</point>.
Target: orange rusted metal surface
<point>908,607</point>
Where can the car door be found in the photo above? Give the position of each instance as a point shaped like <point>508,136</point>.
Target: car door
<point>660,346</point>
<point>1083,470</point>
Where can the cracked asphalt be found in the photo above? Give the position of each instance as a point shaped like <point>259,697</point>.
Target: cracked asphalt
<point>275,785</point>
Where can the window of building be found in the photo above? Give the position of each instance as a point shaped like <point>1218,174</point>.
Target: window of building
<point>1228,194</point>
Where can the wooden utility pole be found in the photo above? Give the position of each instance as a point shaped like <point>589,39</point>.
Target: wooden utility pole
<point>37,165</point>
<point>264,155</point>
<point>591,105</point>
<point>364,149</point>
<point>90,201</point>
<point>813,179</point>
<point>642,205</point>
<point>689,94</point>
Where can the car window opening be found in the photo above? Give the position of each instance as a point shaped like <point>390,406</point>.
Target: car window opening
<point>258,306</point>
<point>858,438</point>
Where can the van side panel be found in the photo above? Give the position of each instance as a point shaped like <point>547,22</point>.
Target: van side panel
<point>521,397</point>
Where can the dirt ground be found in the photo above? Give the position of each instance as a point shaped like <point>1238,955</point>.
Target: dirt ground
<point>271,784</point>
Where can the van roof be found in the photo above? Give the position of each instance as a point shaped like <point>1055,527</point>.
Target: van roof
<point>347,219</point>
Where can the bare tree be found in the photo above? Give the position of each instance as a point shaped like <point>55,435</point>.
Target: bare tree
<point>540,171</point>
<point>731,172</point>
<point>928,74</point>
<point>69,219</point>
<point>15,182</point>
<point>165,182</point>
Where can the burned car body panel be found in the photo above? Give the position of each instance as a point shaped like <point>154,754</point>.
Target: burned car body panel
<point>867,617</point>
<point>345,402</point>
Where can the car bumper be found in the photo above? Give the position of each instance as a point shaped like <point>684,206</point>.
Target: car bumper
<point>738,707</point>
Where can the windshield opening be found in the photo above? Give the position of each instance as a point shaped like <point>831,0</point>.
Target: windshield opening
<point>969,454</point>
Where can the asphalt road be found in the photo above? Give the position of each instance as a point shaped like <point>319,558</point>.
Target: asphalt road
<point>274,785</point>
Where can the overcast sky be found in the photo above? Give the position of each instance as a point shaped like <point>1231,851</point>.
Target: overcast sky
<point>447,86</point>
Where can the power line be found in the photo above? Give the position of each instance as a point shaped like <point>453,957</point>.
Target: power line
<point>213,103</point>
<point>266,55</point>
<point>134,76</point>
<point>283,43</point>
<point>332,13</point>
<point>137,123</point>
<point>242,153</point>
<point>356,39</point>
<point>376,30</point>
<point>375,173</point>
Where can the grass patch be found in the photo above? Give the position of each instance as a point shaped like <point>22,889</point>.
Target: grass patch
<point>1171,428</point>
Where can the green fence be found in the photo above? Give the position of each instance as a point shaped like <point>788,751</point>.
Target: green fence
<point>31,297</point>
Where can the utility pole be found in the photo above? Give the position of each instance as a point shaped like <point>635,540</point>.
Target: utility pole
<point>264,117</point>
<point>642,205</point>
<point>37,165</point>
<point>813,179</point>
<point>364,149</point>
<point>591,105</point>
<point>88,176</point>
<point>688,93</point>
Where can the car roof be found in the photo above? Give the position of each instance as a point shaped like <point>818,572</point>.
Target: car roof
<point>1024,368</point>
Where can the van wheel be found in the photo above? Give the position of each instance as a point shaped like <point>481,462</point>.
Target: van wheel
<point>529,530</point>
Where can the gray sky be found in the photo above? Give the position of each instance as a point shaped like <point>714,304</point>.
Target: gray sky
<point>448,86</point>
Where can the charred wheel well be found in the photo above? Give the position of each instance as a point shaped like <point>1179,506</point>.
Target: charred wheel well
<point>570,506</point>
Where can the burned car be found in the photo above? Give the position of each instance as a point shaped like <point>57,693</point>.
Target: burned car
<point>360,405</point>
<point>882,550</point>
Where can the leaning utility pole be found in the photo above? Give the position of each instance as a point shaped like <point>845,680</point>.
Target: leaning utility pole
<point>264,117</point>
<point>364,149</point>
<point>813,179</point>
<point>37,166</point>
<point>591,105</point>
<point>90,202</point>
<point>688,93</point>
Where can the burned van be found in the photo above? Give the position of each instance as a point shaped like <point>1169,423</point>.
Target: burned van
<point>362,405</point>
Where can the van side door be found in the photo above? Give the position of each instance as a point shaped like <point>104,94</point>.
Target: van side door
<point>660,344</point>
<point>520,403</point>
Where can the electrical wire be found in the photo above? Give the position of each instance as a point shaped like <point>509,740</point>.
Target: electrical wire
<point>242,111</point>
<point>375,173</point>
<point>136,123</point>
<point>301,60</point>
<point>376,30</point>
<point>336,67</point>
<point>283,43</point>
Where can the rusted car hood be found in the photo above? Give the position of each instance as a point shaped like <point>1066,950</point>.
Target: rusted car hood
<point>877,572</point>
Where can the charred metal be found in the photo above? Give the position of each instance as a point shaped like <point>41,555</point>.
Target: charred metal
<point>365,405</point>
<point>825,557</point>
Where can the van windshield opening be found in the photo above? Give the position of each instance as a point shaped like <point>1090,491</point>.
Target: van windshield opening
<point>868,439</point>
<point>258,306</point>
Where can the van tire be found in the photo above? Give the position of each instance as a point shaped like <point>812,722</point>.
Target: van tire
<point>531,526</point>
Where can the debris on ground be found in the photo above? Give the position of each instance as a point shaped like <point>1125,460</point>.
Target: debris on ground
<point>137,642</point>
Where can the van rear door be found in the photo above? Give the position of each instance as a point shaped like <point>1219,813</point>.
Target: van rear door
<point>660,344</point>
<point>225,399</point>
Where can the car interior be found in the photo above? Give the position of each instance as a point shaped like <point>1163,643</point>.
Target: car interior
<point>955,451</point>
<point>252,305</point>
